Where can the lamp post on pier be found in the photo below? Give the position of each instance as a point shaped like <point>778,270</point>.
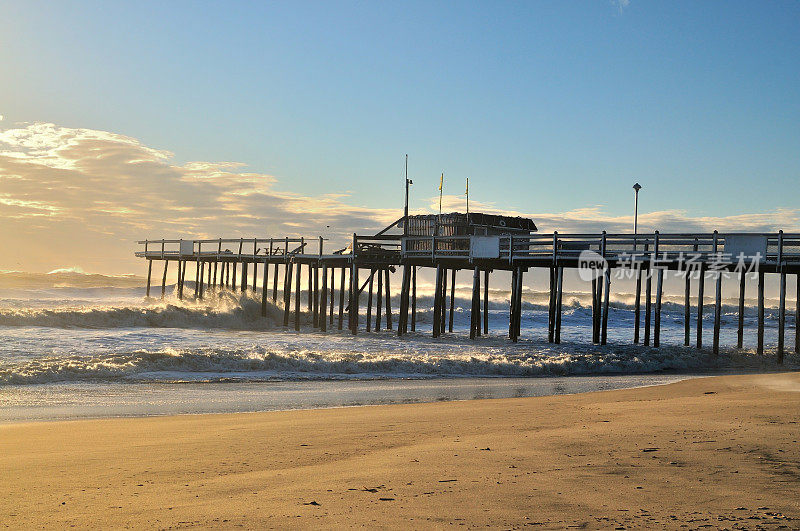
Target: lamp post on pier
<point>636,188</point>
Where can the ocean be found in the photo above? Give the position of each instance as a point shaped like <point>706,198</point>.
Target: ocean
<point>74,345</point>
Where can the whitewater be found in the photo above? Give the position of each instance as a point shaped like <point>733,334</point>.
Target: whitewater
<point>90,345</point>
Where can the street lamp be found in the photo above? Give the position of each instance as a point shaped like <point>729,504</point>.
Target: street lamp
<point>636,188</point>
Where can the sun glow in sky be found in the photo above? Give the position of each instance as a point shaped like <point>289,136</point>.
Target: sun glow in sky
<point>124,121</point>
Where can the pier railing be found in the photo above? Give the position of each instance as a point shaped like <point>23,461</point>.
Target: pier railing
<point>722,248</point>
<point>223,248</point>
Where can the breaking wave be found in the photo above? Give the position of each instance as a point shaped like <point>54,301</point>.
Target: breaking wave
<point>228,310</point>
<point>242,311</point>
<point>261,364</point>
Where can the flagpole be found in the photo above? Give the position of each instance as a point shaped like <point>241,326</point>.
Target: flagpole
<point>441,184</point>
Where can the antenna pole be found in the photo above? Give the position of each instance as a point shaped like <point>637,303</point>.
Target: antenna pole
<point>467,194</point>
<point>405,212</point>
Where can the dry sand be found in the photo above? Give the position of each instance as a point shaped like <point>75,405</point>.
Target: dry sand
<point>714,452</point>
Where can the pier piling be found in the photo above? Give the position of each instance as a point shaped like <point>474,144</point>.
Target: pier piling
<point>323,305</point>
<point>606,296</point>
<point>164,279</point>
<point>149,273</point>
<point>760,346</point>
<point>657,319</point>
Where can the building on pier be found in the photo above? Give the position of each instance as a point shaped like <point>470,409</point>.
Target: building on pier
<point>455,224</point>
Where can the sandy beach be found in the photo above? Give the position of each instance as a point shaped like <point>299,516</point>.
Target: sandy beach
<point>720,452</point>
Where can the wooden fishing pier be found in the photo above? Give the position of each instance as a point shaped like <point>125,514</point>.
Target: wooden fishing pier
<point>482,244</point>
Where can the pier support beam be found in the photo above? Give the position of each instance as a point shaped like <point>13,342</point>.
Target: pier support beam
<point>199,281</point>
<point>637,307</point>
<point>287,292</point>
<point>264,290</point>
<point>388,300</point>
<point>452,299</point>
<point>485,302</point>
<point>341,297</point>
<point>740,327</point>
<point>402,323</point>
<point>323,305</point>
<point>687,310</point>
<point>379,301</point>
<point>701,285</point>
<point>518,317</point>
<point>354,293</point>
<point>414,298</point>
<point>760,347</point>
<point>648,294</point>
<point>181,267</point>
<point>196,277</point>
<point>316,295</point>
<point>781,316</point>
<point>164,279</point>
<point>244,277</point>
<point>551,320</point>
<point>310,290</point>
<point>233,276</point>
<point>275,283</point>
<point>443,320</point>
<point>369,299</point>
<point>208,275</point>
<point>149,274</point>
<point>606,292</point>
<point>478,307</point>
<point>332,296</point>
<point>797,316</point>
<point>659,292</point>
<point>474,322</point>
<point>297,277</point>
<point>559,297</point>
<point>717,313</point>
<point>512,310</point>
<point>437,298</point>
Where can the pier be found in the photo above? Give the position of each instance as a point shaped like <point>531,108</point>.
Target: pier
<point>337,279</point>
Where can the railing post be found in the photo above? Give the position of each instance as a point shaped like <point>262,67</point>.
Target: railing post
<point>162,247</point>
<point>511,249</point>
<point>145,248</point>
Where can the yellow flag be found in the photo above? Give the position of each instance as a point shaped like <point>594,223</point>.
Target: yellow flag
<point>441,182</point>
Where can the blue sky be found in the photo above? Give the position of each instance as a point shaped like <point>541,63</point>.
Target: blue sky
<point>545,106</point>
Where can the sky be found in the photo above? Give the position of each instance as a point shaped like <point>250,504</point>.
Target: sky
<point>131,120</point>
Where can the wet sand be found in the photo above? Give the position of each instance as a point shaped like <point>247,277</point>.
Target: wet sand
<point>721,452</point>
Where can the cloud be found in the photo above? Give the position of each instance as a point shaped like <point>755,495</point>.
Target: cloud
<point>82,196</point>
<point>621,4</point>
